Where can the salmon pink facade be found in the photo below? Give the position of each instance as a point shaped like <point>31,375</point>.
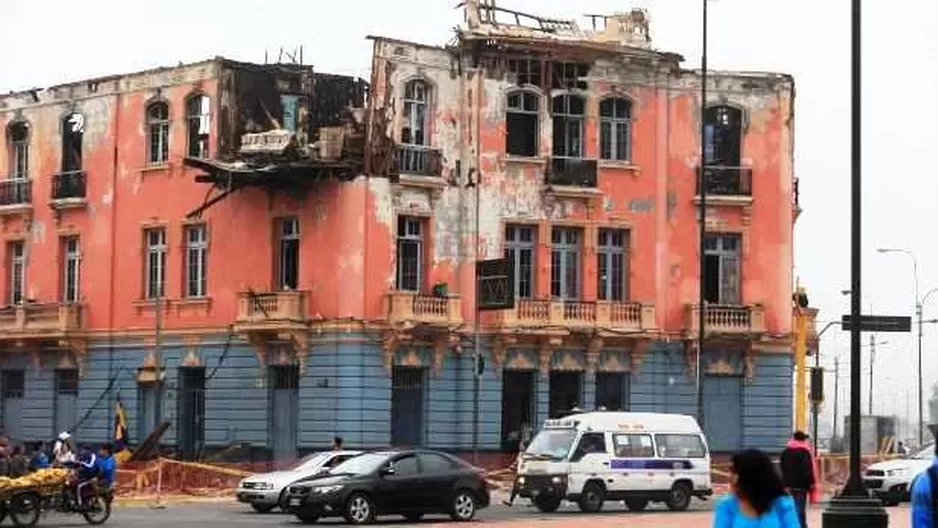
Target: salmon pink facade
<point>272,256</point>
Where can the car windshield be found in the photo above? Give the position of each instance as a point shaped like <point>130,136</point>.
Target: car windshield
<point>362,464</point>
<point>310,462</point>
<point>551,444</point>
<point>925,454</point>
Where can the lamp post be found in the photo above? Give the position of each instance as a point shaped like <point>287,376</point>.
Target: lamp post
<point>919,301</point>
<point>854,507</point>
<point>702,190</point>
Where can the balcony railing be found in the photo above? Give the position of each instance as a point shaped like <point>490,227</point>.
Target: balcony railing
<point>727,181</point>
<point>271,308</point>
<point>575,172</point>
<point>32,320</point>
<point>725,319</point>
<point>581,315</point>
<point>414,307</point>
<point>419,160</point>
<point>67,185</point>
<point>15,192</point>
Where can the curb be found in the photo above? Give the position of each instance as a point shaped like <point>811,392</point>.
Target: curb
<point>155,502</point>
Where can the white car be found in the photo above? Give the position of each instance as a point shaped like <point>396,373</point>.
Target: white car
<point>267,491</point>
<point>890,481</point>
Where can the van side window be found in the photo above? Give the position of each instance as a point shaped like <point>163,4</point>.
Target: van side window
<point>633,446</point>
<point>590,443</point>
<point>680,446</point>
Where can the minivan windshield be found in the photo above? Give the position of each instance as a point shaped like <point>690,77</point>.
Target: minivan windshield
<point>361,465</point>
<point>925,454</point>
<point>551,444</point>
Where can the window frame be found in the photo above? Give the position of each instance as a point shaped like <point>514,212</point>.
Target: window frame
<point>514,248</point>
<point>415,112</point>
<point>560,272</point>
<point>612,129</point>
<point>564,122</point>
<point>196,256</point>
<point>71,269</point>
<point>406,237</point>
<point>16,260</point>
<point>73,158</point>
<point>520,114</point>
<point>728,295</point>
<point>19,150</point>
<point>158,126</point>
<point>156,253</point>
<point>289,242</point>
<point>616,446</point>
<point>731,147</point>
<point>659,446</point>
<point>606,253</point>
<point>196,121</point>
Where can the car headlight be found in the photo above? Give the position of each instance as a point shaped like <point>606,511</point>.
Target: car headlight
<point>266,485</point>
<point>327,489</point>
<point>521,481</point>
<point>901,472</point>
<point>557,480</point>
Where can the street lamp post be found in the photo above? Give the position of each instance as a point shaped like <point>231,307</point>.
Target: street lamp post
<point>702,190</point>
<point>919,302</point>
<point>853,507</point>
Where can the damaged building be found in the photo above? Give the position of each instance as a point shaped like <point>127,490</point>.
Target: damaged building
<point>306,243</point>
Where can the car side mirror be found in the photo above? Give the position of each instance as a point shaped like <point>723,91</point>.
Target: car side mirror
<point>385,471</point>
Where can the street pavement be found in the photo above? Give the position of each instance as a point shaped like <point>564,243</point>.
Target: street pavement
<point>228,514</point>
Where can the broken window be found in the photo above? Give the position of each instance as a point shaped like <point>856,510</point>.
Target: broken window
<point>156,262</point>
<point>414,131</point>
<point>568,110</point>
<point>17,255</point>
<point>615,129</point>
<point>158,133</point>
<point>613,264</point>
<point>569,76</point>
<point>722,269</point>
<point>288,275</point>
<point>565,264</point>
<point>409,253</point>
<point>519,250</point>
<point>526,71</point>
<point>18,136</point>
<point>198,120</point>
<point>723,136</point>
<point>71,269</point>
<point>73,129</point>
<point>522,122</point>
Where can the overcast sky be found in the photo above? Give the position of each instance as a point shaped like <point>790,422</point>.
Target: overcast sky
<point>55,41</point>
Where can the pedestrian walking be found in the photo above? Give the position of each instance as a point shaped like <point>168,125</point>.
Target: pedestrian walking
<point>758,498</point>
<point>516,467</point>
<point>925,493</point>
<point>799,474</point>
<point>337,443</point>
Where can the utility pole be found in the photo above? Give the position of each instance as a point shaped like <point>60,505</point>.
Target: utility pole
<point>872,361</point>
<point>836,394</point>
<point>702,191</point>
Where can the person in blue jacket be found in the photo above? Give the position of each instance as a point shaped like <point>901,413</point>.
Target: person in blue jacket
<point>107,465</point>
<point>925,494</point>
<point>757,498</point>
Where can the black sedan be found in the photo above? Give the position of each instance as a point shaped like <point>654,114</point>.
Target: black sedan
<point>396,482</point>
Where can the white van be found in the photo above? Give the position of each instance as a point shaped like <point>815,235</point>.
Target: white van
<point>637,458</point>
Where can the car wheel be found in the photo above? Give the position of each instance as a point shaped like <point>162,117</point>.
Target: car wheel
<point>463,507</point>
<point>359,509</point>
<point>679,497</point>
<point>413,516</point>
<point>283,502</point>
<point>547,503</point>
<point>636,505</point>
<point>592,498</point>
<point>307,518</point>
<point>263,508</point>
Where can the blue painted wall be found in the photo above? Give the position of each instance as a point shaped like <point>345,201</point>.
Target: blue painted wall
<point>346,391</point>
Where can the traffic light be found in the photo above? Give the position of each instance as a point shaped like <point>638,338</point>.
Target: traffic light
<point>817,385</point>
<point>479,365</point>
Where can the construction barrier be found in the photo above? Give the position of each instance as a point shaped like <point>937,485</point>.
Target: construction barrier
<point>166,477</point>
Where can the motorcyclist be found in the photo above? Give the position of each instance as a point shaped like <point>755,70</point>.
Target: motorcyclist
<point>87,469</point>
<point>107,465</point>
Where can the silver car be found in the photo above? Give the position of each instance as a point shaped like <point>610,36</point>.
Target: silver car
<point>267,491</point>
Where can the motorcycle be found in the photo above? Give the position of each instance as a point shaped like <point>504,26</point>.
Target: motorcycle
<point>26,506</point>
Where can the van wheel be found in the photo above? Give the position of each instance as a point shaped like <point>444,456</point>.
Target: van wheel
<point>636,505</point>
<point>679,497</point>
<point>592,498</point>
<point>547,503</point>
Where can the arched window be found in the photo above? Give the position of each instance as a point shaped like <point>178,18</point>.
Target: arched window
<point>568,110</point>
<point>73,130</point>
<point>18,137</point>
<point>158,133</point>
<point>416,99</point>
<point>723,136</point>
<point>615,129</point>
<point>522,123</point>
<point>199,124</point>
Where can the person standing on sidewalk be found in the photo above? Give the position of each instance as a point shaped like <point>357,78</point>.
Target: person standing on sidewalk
<point>522,445</point>
<point>925,493</point>
<point>799,474</point>
<point>757,498</point>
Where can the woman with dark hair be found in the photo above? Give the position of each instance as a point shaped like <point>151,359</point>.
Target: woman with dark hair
<point>758,498</point>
